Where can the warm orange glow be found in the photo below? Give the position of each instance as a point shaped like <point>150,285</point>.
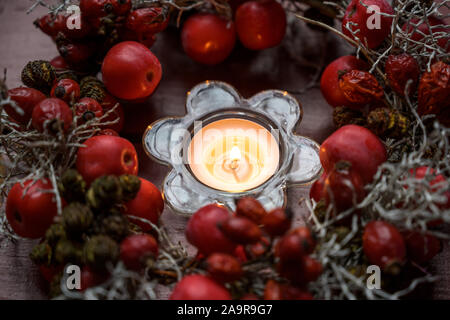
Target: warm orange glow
<point>233,155</point>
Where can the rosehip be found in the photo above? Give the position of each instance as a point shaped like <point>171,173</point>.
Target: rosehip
<point>329,82</point>
<point>250,208</point>
<point>358,13</point>
<point>95,8</point>
<point>77,32</point>
<point>400,69</point>
<point>135,249</point>
<point>121,7</point>
<point>300,272</point>
<point>67,90</point>
<point>421,248</point>
<point>76,54</point>
<point>148,204</point>
<point>277,222</point>
<point>290,248</point>
<point>199,287</point>
<point>383,245</point>
<point>131,71</point>
<point>417,30</point>
<point>30,208</point>
<point>223,267</point>
<point>26,99</point>
<point>87,109</point>
<point>357,145</point>
<point>202,230</point>
<point>240,230</point>
<point>360,87</point>
<point>260,24</point>
<point>91,278</point>
<point>91,161</point>
<point>52,114</point>
<point>343,187</point>
<point>316,191</point>
<point>147,20</point>
<point>51,25</point>
<point>208,38</point>
<point>311,269</point>
<point>59,63</point>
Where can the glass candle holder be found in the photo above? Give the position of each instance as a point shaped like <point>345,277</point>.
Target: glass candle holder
<point>241,168</point>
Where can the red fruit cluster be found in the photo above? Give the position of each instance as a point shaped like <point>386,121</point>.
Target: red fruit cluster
<point>227,240</point>
<point>84,38</point>
<point>209,39</point>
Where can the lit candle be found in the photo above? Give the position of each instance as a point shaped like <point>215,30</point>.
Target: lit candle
<point>233,155</point>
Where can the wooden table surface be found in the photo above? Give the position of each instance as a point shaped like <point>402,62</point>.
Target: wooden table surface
<point>250,72</point>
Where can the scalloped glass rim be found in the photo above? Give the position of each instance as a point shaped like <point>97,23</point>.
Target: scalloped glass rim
<point>165,138</point>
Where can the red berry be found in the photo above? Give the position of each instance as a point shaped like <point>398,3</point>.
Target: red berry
<point>241,230</point>
<point>294,245</point>
<point>300,272</point>
<point>58,62</point>
<point>147,20</point>
<point>277,222</point>
<point>316,191</point>
<point>76,54</point>
<point>343,187</point>
<point>357,145</point>
<point>30,208</point>
<point>329,82</point>
<point>51,25</point>
<point>87,109</point>
<point>121,157</point>
<point>135,249</point>
<point>74,32</point>
<point>223,267</point>
<point>148,204</point>
<point>260,24</point>
<point>95,8</point>
<point>121,7</point>
<point>131,71</point>
<point>399,70</point>
<point>383,244</point>
<point>118,115</point>
<point>423,29</point>
<point>66,89</point>
<point>311,269</point>
<point>203,232</point>
<point>199,287</point>
<point>207,38</point>
<point>26,99</point>
<point>358,13</point>
<point>91,278</point>
<point>250,208</point>
<point>52,114</point>
<point>421,248</point>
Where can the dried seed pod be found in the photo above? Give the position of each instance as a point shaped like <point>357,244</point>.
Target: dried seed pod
<point>67,74</point>
<point>104,192</point>
<point>55,233</point>
<point>223,267</point>
<point>434,92</point>
<point>39,75</point>
<point>114,225</point>
<point>399,70</point>
<point>130,186</point>
<point>72,186</point>
<point>41,254</point>
<point>360,87</point>
<point>343,116</point>
<point>241,230</point>
<point>100,250</point>
<point>76,219</point>
<point>93,88</point>
<point>66,251</point>
<point>251,208</point>
<point>387,122</point>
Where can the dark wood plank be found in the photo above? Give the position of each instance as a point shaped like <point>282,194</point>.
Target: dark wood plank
<point>249,72</point>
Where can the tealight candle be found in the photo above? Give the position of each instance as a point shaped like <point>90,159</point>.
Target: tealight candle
<point>233,155</point>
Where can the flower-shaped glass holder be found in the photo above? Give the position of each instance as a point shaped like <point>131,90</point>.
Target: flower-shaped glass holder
<point>166,141</point>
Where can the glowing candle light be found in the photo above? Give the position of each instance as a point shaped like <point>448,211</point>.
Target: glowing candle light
<point>233,155</point>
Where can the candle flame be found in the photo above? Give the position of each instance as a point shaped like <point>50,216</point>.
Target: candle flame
<point>235,154</point>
